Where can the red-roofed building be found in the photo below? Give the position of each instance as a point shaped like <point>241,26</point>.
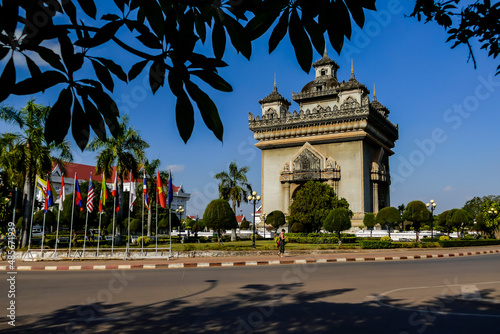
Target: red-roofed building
<point>240,219</point>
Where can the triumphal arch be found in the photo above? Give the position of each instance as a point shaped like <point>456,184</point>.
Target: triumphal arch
<point>338,136</point>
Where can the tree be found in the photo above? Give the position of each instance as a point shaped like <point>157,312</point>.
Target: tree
<point>219,216</point>
<point>417,213</point>
<point>388,217</point>
<point>460,220</point>
<point>443,221</point>
<point>234,187</point>
<point>25,154</point>
<point>168,33</point>
<point>125,151</point>
<point>401,209</point>
<point>276,219</point>
<point>50,219</point>
<point>491,217</point>
<point>338,220</point>
<point>245,225</point>
<point>163,223</point>
<point>369,221</point>
<point>312,203</point>
<point>474,206</point>
<point>479,20</point>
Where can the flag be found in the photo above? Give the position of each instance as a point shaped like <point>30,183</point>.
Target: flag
<point>78,195</point>
<point>170,189</point>
<point>41,184</point>
<point>104,194</point>
<point>145,191</point>
<point>62,195</point>
<point>49,198</point>
<point>133,195</point>
<point>90,196</point>
<point>161,194</point>
<point>114,192</point>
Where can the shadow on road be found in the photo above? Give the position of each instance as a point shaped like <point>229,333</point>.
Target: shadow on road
<point>282,308</point>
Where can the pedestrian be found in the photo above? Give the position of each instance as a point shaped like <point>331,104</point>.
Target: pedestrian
<point>281,243</point>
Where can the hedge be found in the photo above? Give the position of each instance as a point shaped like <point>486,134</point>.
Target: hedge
<point>464,243</point>
<point>325,239</point>
<point>368,244</point>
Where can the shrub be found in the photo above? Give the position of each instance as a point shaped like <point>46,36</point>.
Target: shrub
<point>385,238</point>
<point>297,227</point>
<point>465,243</point>
<point>444,238</point>
<point>147,241</point>
<point>376,244</point>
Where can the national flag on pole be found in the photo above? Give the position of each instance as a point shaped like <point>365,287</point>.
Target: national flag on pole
<point>145,191</point>
<point>90,196</point>
<point>133,194</point>
<point>62,195</point>
<point>49,198</point>
<point>104,194</point>
<point>161,194</point>
<point>170,189</point>
<point>78,195</point>
<point>41,184</point>
<point>114,192</point>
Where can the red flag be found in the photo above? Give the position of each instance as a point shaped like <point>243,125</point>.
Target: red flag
<point>161,193</point>
<point>114,192</point>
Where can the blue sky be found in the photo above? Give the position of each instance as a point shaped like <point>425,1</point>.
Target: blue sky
<point>448,112</point>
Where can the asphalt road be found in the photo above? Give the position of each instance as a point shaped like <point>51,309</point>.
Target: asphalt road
<point>454,295</point>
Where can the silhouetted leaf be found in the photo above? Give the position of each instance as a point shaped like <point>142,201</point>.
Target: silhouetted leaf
<point>10,10</point>
<point>218,39</point>
<point>7,79</point>
<point>150,40</point>
<point>121,4</point>
<point>213,79</point>
<point>315,33</point>
<point>200,61</point>
<point>3,52</point>
<point>94,83</point>
<point>114,68</point>
<point>102,36</point>
<point>260,24</point>
<point>300,42</point>
<point>50,57</point>
<point>156,75</point>
<point>95,118</point>
<point>59,119</point>
<point>80,126</point>
<point>207,109</point>
<point>238,35</point>
<point>110,17</point>
<point>184,116</point>
<point>33,68</point>
<point>107,107</point>
<point>356,10</point>
<point>88,7</point>
<point>103,75</point>
<point>201,30</point>
<point>39,83</point>
<point>136,69</point>
<point>334,25</point>
<point>154,15</point>
<point>279,31</point>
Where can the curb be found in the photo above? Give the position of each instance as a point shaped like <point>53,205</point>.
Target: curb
<point>237,263</point>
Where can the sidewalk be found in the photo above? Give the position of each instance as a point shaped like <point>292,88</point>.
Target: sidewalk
<point>249,259</point>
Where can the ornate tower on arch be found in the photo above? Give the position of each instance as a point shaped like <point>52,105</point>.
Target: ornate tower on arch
<point>338,137</point>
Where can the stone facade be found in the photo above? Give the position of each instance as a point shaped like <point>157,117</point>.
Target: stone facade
<point>338,136</point>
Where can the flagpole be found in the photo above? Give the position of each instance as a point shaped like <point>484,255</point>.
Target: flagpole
<point>14,211</point>
<point>43,234</point>
<point>99,236</point>
<point>86,222</point>
<point>72,214</point>
<point>169,218</point>
<point>31,222</point>
<point>142,228</point>
<point>113,232</point>
<point>57,229</point>
<point>156,236</point>
<point>129,206</point>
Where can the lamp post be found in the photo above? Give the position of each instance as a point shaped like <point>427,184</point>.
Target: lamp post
<point>432,206</point>
<point>253,198</point>
<point>180,210</point>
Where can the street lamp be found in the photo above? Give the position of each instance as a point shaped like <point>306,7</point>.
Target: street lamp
<point>432,206</point>
<point>253,198</point>
<point>180,210</point>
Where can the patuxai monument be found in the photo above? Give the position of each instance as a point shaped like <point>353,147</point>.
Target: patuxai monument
<point>338,136</point>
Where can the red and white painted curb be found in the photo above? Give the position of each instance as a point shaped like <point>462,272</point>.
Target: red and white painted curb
<point>236,263</point>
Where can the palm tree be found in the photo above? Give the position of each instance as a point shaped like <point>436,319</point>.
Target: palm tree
<point>150,169</point>
<point>125,151</point>
<point>234,187</point>
<point>25,154</point>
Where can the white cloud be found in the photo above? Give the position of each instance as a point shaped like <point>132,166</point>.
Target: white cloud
<point>176,168</point>
<point>448,188</point>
